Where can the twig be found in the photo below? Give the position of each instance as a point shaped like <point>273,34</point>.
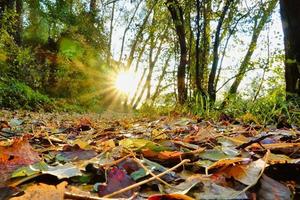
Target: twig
<point>117,161</point>
<point>150,172</point>
<point>49,140</point>
<point>69,195</point>
<point>257,140</point>
<point>146,181</point>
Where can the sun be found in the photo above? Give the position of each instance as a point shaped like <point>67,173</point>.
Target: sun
<point>125,82</point>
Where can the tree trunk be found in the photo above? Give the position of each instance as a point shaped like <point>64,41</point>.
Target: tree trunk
<point>161,77</point>
<point>256,32</point>
<point>110,34</point>
<point>211,81</point>
<point>198,74</point>
<point>139,36</point>
<point>290,16</point>
<point>178,21</point>
<point>127,29</point>
<point>19,22</point>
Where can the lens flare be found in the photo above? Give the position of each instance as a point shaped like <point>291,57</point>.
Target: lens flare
<point>125,82</point>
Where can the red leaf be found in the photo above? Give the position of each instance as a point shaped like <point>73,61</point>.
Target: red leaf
<point>116,180</point>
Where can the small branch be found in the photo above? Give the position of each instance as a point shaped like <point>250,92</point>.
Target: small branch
<point>69,195</point>
<point>150,172</point>
<point>146,181</point>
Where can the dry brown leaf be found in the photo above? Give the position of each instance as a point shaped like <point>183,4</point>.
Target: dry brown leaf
<point>43,191</point>
<point>226,162</point>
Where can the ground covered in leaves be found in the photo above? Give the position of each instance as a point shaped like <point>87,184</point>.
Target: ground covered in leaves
<point>61,156</point>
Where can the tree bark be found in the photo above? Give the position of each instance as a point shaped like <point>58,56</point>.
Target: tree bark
<point>177,16</point>
<point>290,16</point>
<point>211,81</point>
<point>198,74</point>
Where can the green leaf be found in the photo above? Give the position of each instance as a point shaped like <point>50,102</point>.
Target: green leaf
<point>213,155</point>
<point>139,144</point>
<point>30,170</point>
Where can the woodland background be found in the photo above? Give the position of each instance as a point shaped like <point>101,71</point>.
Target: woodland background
<point>203,57</point>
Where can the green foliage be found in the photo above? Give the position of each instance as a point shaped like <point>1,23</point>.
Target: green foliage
<point>268,109</point>
<point>17,95</point>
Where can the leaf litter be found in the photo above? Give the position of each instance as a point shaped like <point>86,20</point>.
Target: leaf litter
<point>72,156</point>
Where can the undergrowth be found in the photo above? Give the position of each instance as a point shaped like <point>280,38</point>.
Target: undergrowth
<point>17,95</point>
<point>267,110</point>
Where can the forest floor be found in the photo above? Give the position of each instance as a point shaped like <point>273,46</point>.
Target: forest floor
<point>121,156</point>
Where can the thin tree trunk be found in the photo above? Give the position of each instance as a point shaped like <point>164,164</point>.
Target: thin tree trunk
<point>151,68</point>
<point>163,73</point>
<point>19,22</point>
<point>211,81</point>
<point>178,21</point>
<point>126,29</point>
<point>256,32</point>
<point>225,48</point>
<point>290,15</point>
<point>110,34</point>
<point>138,36</point>
<point>139,87</point>
<point>141,53</point>
<point>197,56</point>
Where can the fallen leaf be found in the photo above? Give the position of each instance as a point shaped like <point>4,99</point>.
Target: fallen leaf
<point>277,146</point>
<point>106,145</point>
<point>63,171</point>
<point>7,192</point>
<point>155,168</point>
<point>84,124</point>
<point>139,144</point>
<point>281,159</point>
<point>116,180</point>
<point>72,153</point>
<point>30,169</point>
<point>163,155</point>
<point>214,191</point>
<point>213,155</point>
<point>170,197</point>
<point>43,191</point>
<point>227,161</point>
<point>271,189</point>
<point>18,154</point>
<point>187,185</point>
<point>246,174</point>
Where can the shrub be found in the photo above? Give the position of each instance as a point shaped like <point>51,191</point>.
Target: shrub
<point>17,95</point>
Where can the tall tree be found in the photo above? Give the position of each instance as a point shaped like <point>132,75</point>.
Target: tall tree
<point>290,16</point>
<point>212,75</point>
<point>259,24</point>
<point>176,12</point>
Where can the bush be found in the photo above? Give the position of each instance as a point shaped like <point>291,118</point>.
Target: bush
<point>17,95</point>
